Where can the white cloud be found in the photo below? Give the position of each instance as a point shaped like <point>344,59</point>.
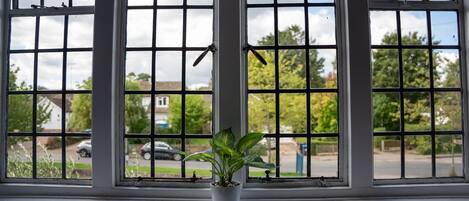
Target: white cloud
<point>79,68</point>
<point>51,32</point>
<point>22,32</point>
<point>80,31</point>
<point>50,70</point>
<point>25,63</point>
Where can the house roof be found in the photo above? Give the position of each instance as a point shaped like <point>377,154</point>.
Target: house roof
<point>56,99</point>
<point>166,86</point>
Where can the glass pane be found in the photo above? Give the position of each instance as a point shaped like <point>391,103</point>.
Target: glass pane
<point>266,149</point>
<point>19,157</point>
<point>417,111</point>
<point>137,113</point>
<point>169,70</point>
<point>414,28</point>
<point>198,168</point>
<point>386,112</point>
<point>166,2</point>
<point>79,162</point>
<point>20,110</point>
<point>169,28</point>
<point>321,1</point>
<point>293,113</point>
<point>21,72</point>
<point>416,68</point>
<point>325,157</point>
<point>444,28</point>
<point>383,27</point>
<point>168,114</point>
<point>261,113</point>
<point>200,2</point>
<point>322,25</point>
<point>199,27</point>
<point>324,115</point>
<point>323,68</point>
<point>83,2</point>
<point>292,158</point>
<point>168,158</point>
<point>22,32</point>
<point>292,69</point>
<point>260,1</point>
<point>27,3</point>
<point>51,32</point>
<point>49,70</point>
<point>418,163</point>
<point>448,106</point>
<point>55,3</point>
<point>138,66</point>
<point>142,2</point>
<point>387,157</point>
<point>261,76</point>
<point>291,26</point>
<point>290,1</point>
<point>49,157</point>
<point>260,26</point>
<point>139,28</point>
<point>80,31</point>
<point>136,149</point>
<point>79,70</point>
<point>198,114</point>
<point>199,77</point>
<point>385,63</point>
<point>49,107</point>
<point>449,156</point>
<point>78,118</point>
<point>446,69</point>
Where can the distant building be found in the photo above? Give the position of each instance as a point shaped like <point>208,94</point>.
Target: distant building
<point>54,104</point>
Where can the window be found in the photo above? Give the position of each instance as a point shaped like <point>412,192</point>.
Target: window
<point>294,98</point>
<point>49,91</point>
<point>168,102</point>
<point>417,93</point>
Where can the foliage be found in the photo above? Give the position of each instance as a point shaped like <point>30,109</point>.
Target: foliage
<point>230,155</point>
<point>198,114</point>
<point>136,119</point>
<point>80,117</point>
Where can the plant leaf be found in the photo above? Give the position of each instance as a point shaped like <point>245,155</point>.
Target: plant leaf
<point>225,137</point>
<point>259,163</point>
<point>248,141</point>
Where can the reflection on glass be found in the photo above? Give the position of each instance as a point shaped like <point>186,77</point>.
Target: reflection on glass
<point>444,27</point>
<point>325,157</point>
<point>261,76</point>
<point>387,157</point>
<point>383,27</point>
<point>324,115</point>
<point>20,109</point>
<point>137,113</point>
<point>19,157</point>
<point>138,66</point>
<point>418,163</point>
<point>49,157</point>
<point>79,161</point>
<point>416,68</point>
<point>199,27</point>
<point>448,111</point>
<point>135,163</point>
<point>139,28</point>
<point>293,113</point>
<point>168,114</point>
<point>169,28</point>
<point>198,168</point>
<point>292,67</point>
<point>386,112</point>
<point>21,72</point>
<point>293,153</point>
<point>446,69</point>
<point>49,107</point>
<point>51,32</point>
<point>266,149</point>
<point>449,156</point>
<point>322,25</point>
<point>323,68</point>
<point>291,26</point>
<point>169,70</point>
<point>80,31</point>
<point>417,111</point>
<point>49,71</point>
<point>260,26</point>
<point>261,113</point>
<point>414,28</point>
<point>78,119</point>
<point>385,64</point>
<point>22,33</point>
<point>198,114</point>
<point>79,70</point>
<point>168,157</point>
<point>199,77</point>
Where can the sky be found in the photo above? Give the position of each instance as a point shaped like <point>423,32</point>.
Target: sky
<point>199,34</point>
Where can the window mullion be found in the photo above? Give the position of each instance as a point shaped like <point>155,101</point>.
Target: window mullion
<point>463,23</point>
<point>4,28</point>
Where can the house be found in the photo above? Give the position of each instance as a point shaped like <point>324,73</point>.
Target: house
<point>54,104</point>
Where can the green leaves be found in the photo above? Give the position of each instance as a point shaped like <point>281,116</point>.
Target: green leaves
<point>248,141</point>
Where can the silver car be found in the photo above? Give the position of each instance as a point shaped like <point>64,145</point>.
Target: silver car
<point>84,149</point>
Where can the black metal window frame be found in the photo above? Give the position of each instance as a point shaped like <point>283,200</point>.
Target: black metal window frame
<point>66,12</point>
<point>308,91</point>
<point>401,90</point>
<point>183,92</point>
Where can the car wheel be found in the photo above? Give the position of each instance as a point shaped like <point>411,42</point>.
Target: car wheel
<point>147,156</point>
<point>83,153</point>
<point>177,157</point>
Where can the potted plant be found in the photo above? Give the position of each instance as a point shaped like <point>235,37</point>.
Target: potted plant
<point>229,155</point>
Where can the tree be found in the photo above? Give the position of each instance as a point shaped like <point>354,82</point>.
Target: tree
<point>80,117</point>
<point>198,114</point>
<point>136,119</point>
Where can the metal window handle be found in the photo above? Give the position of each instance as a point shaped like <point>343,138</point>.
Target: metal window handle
<point>256,54</point>
<point>210,48</point>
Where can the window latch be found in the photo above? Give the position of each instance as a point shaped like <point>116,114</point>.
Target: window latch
<point>256,54</point>
<point>210,48</point>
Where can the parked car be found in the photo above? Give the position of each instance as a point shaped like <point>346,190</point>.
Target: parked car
<point>162,151</point>
<point>84,149</point>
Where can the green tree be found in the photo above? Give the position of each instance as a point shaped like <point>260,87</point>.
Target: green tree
<point>81,106</point>
<point>136,119</point>
<point>198,114</point>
